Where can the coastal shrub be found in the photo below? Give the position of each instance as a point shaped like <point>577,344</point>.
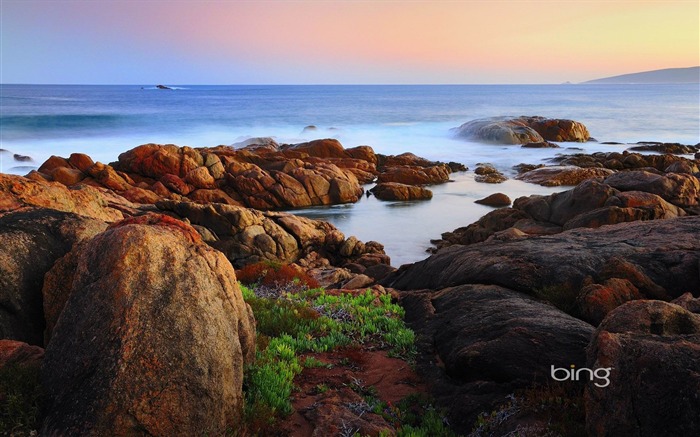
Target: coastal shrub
<point>275,275</point>
<point>20,400</point>
<point>292,324</point>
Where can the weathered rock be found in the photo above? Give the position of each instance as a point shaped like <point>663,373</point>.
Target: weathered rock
<point>541,145</point>
<point>488,174</point>
<point>416,175</point>
<point>17,353</point>
<point>489,341</point>
<point>495,221</point>
<point>688,302</point>
<point>621,161</point>
<point>522,130</point>
<point>67,175</point>
<point>248,236</point>
<point>174,362</point>
<point>396,191</point>
<point>652,351</point>
<point>30,243</point>
<point>675,148</point>
<point>595,301</point>
<point>679,189</point>
<point>662,257</point>
<point>566,175</point>
<point>496,199</point>
<point>156,161</point>
<point>17,192</point>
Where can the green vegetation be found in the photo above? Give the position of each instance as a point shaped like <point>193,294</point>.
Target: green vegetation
<point>20,400</point>
<point>291,324</point>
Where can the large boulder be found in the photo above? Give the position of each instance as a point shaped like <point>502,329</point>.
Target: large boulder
<point>661,258</point>
<point>651,350</point>
<point>30,242</point>
<point>522,130</point>
<point>144,348</point>
<point>488,341</point>
<point>17,353</point>
<point>679,189</point>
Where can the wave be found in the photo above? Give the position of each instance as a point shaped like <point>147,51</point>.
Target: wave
<point>59,121</point>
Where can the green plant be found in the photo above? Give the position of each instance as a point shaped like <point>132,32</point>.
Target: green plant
<point>20,400</point>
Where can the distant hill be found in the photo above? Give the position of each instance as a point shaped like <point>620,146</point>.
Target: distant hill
<point>667,75</point>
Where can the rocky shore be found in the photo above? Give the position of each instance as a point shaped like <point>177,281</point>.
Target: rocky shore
<point>119,289</point>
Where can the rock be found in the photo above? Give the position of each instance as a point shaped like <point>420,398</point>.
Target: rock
<point>22,158</point>
<point>494,221</point>
<point>325,148</point>
<point>396,191</point>
<point>661,259</point>
<point>156,161</point>
<point>140,195</point>
<point>620,161</point>
<point>651,350</point>
<point>595,301</point>
<point>558,130</point>
<point>17,353</point>
<point>688,302</point>
<point>682,167</point>
<point>81,161</point>
<point>496,200</point>
<point>163,87</point>
<point>67,176</point>
<point>212,196</point>
<point>174,364</point>
<point>247,236</point>
<point>17,192</point>
<point>200,178</point>
<point>522,130</point>
<point>674,148</point>
<point>379,271</point>
<point>358,281</point>
<point>30,242</point>
<point>562,175</point>
<point>679,189</point>
<point>479,343</point>
<point>540,145</point>
<point>309,128</point>
<point>500,130</point>
<point>488,174</point>
<point>415,175</point>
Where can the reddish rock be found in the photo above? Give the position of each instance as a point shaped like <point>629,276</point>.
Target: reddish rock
<point>175,184</point>
<point>212,196</point>
<point>17,192</point>
<point>416,175</point>
<point>651,350</point>
<point>496,199</point>
<point>67,175</point>
<point>558,130</point>
<point>200,178</point>
<point>364,153</point>
<point>679,189</point>
<point>156,161</point>
<point>17,353</point>
<point>396,191</point>
<point>557,176</point>
<point>489,175</point>
<point>595,301</point>
<point>326,148</point>
<point>175,363</point>
<point>108,177</point>
<point>140,195</point>
<point>81,161</point>
<point>53,163</point>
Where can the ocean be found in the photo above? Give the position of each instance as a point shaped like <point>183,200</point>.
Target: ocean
<point>38,121</point>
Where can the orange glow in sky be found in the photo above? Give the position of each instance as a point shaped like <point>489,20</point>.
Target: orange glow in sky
<point>231,42</point>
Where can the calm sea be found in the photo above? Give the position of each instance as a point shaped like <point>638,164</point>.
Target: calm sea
<point>103,121</point>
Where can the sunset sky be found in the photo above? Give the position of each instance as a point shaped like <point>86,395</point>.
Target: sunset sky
<point>318,42</point>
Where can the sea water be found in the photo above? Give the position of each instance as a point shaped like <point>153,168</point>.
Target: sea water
<point>43,120</point>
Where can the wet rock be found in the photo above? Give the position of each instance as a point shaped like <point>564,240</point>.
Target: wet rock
<point>175,363</point>
<point>651,349</point>
<point>22,158</point>
<point>567,175</point>
<point>416,175</point>
<point>478,343</point>
<point>396,191</point>
<point>674,148</point>
<point>541,145</point>
<point>30,242</point>
<point>496,200</point>
<point>489,175</point>
<point>522,130</point>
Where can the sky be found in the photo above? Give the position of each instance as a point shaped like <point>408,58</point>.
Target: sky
<point>341,42</point>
